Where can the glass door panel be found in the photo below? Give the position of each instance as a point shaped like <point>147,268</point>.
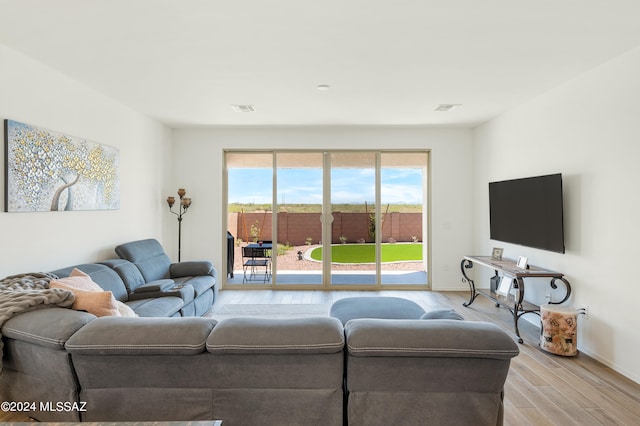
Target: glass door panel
<point>299,206</point>
<point>249,210</point>
<point>351,249</point>
<point>403,183</point>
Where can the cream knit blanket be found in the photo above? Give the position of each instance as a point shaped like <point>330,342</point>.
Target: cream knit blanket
<point>24,292</point>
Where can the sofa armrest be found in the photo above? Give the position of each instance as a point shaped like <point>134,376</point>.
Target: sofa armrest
<point>164,288</point>
<point>155,286</point>
<point>192,268</point>
<point>432,338</point>
<point>49,327</point>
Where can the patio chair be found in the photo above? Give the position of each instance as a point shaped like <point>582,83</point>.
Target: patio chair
<point>254,258</point>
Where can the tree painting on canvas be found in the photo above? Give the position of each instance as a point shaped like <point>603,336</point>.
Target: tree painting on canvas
<point>51,171</point>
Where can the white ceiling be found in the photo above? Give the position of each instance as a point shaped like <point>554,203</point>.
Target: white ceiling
<point>184,62</point>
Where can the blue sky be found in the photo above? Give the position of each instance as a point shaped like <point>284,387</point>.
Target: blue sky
<point>304,186</point>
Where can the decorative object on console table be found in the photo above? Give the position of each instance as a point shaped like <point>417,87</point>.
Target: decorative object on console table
<point>558,330</point>
<point>497,253</point>
<point>185,203</point>
<point>50,171</point>
<point>505,286</point>
<point>523,262</point>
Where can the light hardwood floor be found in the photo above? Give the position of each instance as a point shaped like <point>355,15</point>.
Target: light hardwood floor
<point>541,389</point>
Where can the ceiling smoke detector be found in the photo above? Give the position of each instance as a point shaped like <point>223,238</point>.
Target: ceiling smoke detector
<point>243,108</point>
<point>446,107</point>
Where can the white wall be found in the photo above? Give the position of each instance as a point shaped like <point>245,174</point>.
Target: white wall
<point>198,155</point>
<point>35,94</point>
<point>589,130</point>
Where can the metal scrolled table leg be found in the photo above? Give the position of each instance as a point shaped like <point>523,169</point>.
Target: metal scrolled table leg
<point>517,308</point>
<point>467,264</point>
<point>567,288</point>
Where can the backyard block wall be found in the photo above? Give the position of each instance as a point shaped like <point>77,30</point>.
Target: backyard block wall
<point>295,228</point>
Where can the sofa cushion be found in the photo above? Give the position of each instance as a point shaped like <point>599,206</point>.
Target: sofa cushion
<point>102,275</point>
<point>49,327</point>
<point>127,271</point>
<point>277,336</point>
<point>142,336</point>
<point>149,256</point>
<point>89,296</point>
<point>200,284</point>
<point>156,307</point>
<point>417,338</point>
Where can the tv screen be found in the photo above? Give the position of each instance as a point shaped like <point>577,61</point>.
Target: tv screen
<point>528,212</point>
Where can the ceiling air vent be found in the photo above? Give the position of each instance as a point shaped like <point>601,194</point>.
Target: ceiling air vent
<point>243,108</point>
<point>446,107</point>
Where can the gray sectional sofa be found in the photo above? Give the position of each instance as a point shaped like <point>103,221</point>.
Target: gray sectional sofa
<point>171,365</point>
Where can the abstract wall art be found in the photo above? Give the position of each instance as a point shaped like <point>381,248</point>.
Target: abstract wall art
<point>50,171</point>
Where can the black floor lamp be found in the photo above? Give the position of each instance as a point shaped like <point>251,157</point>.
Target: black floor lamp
<point>182,210</point>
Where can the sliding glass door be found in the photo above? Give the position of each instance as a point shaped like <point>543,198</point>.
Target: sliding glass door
<point>299,207</point>
<point>352,252</point>
<point>340,219</point>
<point>249,181</point>
<point>403,218</point>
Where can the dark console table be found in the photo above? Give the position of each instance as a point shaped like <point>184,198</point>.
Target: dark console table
<point>508,268</point>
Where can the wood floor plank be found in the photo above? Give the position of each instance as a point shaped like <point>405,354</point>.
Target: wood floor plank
<point>566,402</point>
<point>568,388</point>
<point>604,417</point>
<point>536,416</point>
<point>621,413</point>
<point>513,417</point>
<point>621,399</point>
<point>540,371</point>
<point>515,395</point>
<point>527,373</point>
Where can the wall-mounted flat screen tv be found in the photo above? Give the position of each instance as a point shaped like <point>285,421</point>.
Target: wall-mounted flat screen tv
<point>528,212</point>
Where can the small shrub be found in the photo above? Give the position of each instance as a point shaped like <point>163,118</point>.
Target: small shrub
<point>254,232</point>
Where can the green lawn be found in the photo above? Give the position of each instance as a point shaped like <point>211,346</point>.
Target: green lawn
<point>365,253</point>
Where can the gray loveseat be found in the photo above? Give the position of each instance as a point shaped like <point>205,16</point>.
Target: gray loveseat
<point>194,282</point>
